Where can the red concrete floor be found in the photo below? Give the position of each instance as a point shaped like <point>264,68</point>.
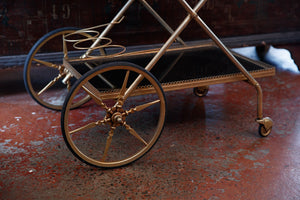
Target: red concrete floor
<point>209,149</point>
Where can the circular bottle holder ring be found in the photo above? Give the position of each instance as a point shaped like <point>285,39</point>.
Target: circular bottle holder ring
<point>92,34</point>
<point>119,50</point>
<point>76,45</point>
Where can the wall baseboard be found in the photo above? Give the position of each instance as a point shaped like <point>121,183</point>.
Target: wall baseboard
<point>239,41</point>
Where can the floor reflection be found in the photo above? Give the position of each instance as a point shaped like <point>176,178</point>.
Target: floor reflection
<point>280,58</point>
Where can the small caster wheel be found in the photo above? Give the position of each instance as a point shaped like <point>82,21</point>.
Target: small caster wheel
<point>201,91</point>
<point>265,126</point>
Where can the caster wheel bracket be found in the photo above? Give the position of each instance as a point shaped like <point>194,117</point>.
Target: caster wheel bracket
<point>265,126</point>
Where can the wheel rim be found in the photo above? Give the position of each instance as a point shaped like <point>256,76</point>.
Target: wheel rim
<point>114,132</point>
<point>43,77</point>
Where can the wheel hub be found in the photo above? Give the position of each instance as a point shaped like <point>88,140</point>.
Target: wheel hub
<point>116,116</point>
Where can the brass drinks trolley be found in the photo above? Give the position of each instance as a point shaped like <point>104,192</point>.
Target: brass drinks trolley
<point>121,106</point>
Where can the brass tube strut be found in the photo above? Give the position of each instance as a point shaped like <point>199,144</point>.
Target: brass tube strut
<point>109,27</point>
<point>164,48</point>
<point>119,16</point>
<point>228,54</point>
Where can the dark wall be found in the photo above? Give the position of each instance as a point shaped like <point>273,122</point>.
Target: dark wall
<point>22,22</point>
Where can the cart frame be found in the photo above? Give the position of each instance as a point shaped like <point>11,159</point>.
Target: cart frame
<point>117,118</point>
<point>192,14</point>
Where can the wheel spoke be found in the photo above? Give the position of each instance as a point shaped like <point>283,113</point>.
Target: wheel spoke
<point>48,64</point>
<point>142,107</point>
<point>94,94</point>
<point>88,126</point>
<point>133,86</point>
<point>50,84</point>
<point>108,142</point>
<point>134,133</point>
<point>123,89</point>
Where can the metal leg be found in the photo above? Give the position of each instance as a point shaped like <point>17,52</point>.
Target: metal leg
<point>229,55</point>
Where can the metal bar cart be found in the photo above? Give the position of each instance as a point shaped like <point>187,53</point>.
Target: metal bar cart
<point>119,92</point>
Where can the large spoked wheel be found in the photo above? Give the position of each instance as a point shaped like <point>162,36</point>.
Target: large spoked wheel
<point>44,71</point>
<point>116,127</point>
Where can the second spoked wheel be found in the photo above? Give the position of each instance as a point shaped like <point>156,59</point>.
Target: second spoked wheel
<point>116,127</point>
<point>44,70</point>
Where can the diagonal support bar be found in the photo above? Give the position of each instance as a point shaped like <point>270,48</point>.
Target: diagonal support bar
<point>160,20</point>
<point>119,16</point>
<point>109,27</point>
<point>165,47</point>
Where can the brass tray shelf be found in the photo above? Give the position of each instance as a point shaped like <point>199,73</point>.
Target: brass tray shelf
<point>186,67</point>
